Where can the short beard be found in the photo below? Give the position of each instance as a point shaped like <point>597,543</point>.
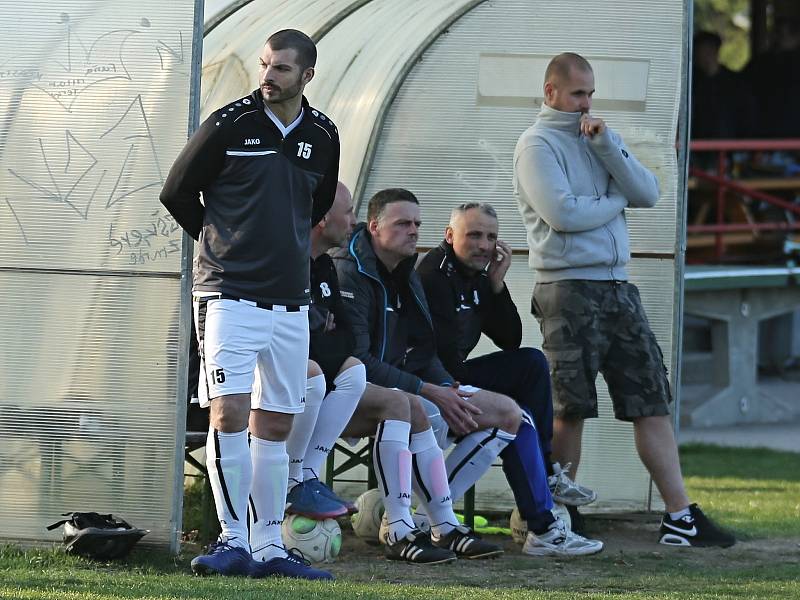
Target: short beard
<point>286,93</point>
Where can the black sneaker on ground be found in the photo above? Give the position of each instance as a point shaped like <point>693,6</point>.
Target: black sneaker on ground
<point>416,548</point>
<point>467,544</point>
<point>694,529</point>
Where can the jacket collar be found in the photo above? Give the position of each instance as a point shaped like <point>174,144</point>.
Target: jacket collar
<point>366,259</point>
<point>569,122</point>
<point>451,263</point>
<point>258,98</point>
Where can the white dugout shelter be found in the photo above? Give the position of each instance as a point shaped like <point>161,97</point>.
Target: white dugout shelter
<point>432,96</point>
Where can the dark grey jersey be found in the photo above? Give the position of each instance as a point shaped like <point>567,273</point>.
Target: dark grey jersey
<point>262,194</point>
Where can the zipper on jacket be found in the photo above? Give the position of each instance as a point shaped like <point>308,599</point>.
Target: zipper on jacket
<point>591,169</point>
<point>383,287</point>
<point>421,307</point>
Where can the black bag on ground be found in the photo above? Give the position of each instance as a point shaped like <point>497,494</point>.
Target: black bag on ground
<point>102,537</point>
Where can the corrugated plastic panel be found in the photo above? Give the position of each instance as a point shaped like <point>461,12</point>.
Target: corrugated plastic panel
<point>87,400</point>
<point>360,63</point>
<point>95,109</point>
<point>449,141</point>
<point>96,105</point>
<point>231,49</point>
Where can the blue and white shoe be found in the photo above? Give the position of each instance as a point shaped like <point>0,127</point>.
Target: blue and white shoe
<point>293,565</point>
<point>322,488</point>
<point>302,499</point>
<point>223,559</point>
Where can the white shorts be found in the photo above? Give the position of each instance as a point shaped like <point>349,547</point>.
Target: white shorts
<point>245,349</point>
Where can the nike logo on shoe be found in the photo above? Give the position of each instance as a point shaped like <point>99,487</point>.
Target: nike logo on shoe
<point>690,532</point>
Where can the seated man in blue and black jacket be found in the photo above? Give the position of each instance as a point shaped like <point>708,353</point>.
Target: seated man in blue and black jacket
<point>464,281</point>
<point>395,340</point>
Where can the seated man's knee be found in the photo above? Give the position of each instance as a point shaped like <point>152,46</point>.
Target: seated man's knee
<point>393,406</point>
<point>510,414</point>
<point>350,361</point>
<point>419,418</point>
<point>536,359</point>
<point>499,411</point>
<point>313,369</point>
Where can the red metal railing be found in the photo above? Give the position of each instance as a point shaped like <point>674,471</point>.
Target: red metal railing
<point>725,184</point>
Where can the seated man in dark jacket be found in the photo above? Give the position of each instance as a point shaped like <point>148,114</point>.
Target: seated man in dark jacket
<point>465,288</point>
<point>395,341</point>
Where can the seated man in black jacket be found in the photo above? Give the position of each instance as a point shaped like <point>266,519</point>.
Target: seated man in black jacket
<point>464,285</point>
<point>394,338</point>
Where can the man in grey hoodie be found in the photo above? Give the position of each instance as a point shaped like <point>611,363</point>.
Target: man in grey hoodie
<point>574,178</point>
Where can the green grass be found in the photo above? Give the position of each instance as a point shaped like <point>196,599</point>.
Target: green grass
<point>754,491</point>
<point>48,575</point>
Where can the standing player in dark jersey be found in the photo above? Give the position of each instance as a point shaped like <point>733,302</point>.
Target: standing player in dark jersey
<point>267,167</point>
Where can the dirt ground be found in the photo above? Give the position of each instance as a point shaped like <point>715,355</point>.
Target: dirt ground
<point>630,550</point>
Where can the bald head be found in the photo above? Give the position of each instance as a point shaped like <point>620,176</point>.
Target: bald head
<point>561,66</point>
<point>569,83</point>
<point>335,228</point>
<point>342,193</point>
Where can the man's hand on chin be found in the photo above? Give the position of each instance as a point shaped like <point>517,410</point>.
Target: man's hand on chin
<point>592,126</point>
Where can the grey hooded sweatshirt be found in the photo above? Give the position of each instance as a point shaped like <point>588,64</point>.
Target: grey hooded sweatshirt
<point>572,193</point>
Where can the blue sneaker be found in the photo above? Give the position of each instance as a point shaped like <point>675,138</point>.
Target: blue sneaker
<point>223,559</point>
<point>323,489</point>
<point>303,500</point>
<point>294,565</point>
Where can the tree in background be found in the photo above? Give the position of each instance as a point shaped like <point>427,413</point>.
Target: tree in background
<point>731,20</point>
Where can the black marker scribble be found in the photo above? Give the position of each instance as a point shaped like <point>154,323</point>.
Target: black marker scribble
<point>168,56</point>
<point>54,191</point>
<point>134,125</point>
<point>19,223</point>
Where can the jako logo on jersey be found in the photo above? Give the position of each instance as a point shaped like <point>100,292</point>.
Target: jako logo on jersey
<point>252,141</point>
<point>402,495</point>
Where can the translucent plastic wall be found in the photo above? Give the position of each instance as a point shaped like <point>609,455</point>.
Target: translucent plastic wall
<point>94,106</point>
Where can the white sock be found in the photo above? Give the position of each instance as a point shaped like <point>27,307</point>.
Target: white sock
<point>472,457</point>
<point>334,415</point>
<point>430,482</point>
<point>230,474</point>
<point>392,462</point>
<point>680,514</point>
<point>302,428</point>
<point>268,497</point>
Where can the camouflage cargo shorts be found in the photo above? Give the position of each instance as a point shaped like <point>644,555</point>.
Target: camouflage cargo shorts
<point>600,326</point>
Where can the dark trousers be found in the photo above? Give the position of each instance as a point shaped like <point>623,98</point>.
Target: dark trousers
<point>524,376</point>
